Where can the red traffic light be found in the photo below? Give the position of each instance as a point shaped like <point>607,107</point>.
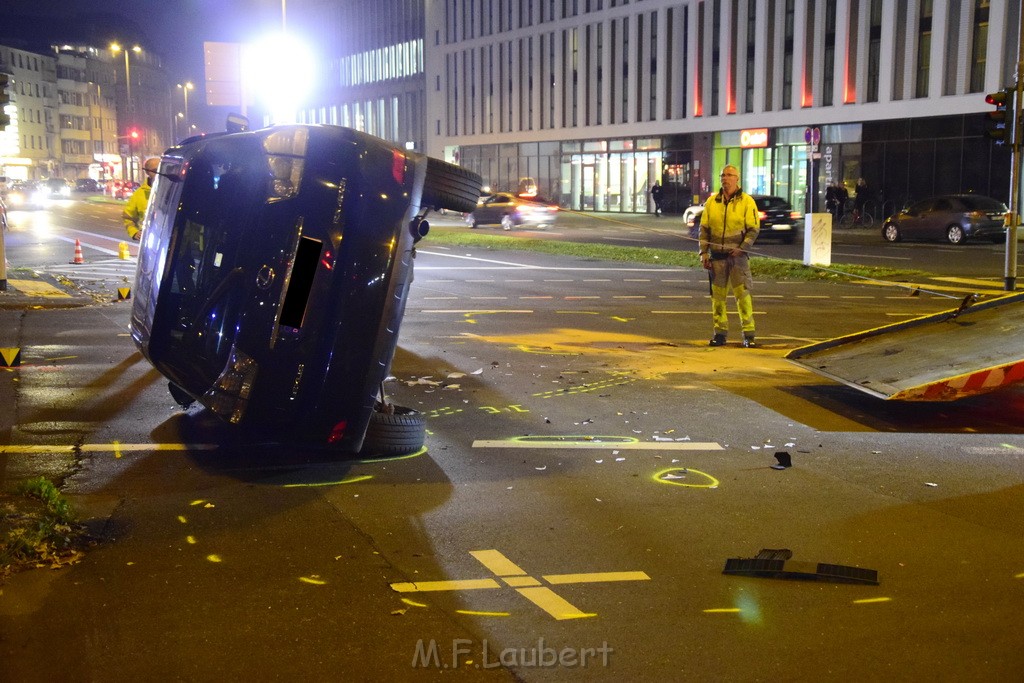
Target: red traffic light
<point>996,98</point>
<point>134,133</point>
<point>999,123</point>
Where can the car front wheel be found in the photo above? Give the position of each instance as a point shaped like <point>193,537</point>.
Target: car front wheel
<point>955,234</point>
<point>891,233</point>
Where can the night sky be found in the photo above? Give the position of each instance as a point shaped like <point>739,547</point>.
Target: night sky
<point>175,29</point>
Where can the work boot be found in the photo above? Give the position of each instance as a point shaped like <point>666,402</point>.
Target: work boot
<point>748,342</point>
<point>717,340</point>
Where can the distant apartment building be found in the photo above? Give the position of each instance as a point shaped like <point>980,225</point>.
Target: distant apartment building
<point>72,117</point>
<point>30,144</point>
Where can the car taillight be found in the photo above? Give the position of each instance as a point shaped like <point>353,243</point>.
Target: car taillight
<point>763,215</point>
<point>795,215</point>
<point>229,396</point>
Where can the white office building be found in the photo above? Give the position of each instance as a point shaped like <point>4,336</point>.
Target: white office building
<point>595,100</point>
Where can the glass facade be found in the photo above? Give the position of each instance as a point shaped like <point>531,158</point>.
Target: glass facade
<point>901,160</point>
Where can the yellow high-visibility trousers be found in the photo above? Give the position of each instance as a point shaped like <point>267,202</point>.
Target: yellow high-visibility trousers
<point>732,273</point>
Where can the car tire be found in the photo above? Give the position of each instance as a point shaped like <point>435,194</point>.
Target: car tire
<point>450,187</point>
<point>394,433</point>
<point>507,222</point>
<point>891,233</point>
<point>955,234</point>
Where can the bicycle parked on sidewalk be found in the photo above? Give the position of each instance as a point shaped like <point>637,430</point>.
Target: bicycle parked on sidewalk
<point>852,218</point>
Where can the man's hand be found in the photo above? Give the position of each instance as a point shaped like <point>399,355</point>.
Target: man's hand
<point>137,235</point>
<point>736,252</point>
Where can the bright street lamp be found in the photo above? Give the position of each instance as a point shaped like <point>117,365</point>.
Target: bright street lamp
<point>185,87</point>
<point>115,48</point>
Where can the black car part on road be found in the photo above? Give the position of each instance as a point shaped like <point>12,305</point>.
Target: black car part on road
<point>273,274</point>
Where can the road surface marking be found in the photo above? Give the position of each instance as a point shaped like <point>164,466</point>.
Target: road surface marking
<point>530,588</point>
<point>106,447</point>
<point>586,443</point>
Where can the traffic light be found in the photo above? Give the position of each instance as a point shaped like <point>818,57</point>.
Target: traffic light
<point>5,99</point>
<point>134,134</point>
<point>1000,124</point>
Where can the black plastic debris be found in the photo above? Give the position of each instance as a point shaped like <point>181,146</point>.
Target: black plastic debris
<point>776,564</point>
<point>784,459</point>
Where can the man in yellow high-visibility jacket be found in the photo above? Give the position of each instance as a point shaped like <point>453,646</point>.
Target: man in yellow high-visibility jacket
<point>135,210</point>
<point>728,228</point>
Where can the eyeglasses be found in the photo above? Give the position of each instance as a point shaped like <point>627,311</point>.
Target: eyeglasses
<point>729,175</point>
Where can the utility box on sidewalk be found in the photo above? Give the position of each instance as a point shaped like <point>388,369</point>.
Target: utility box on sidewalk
<point>818,239</point>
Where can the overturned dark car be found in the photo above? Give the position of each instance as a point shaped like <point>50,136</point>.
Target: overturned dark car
<point>273,275</point>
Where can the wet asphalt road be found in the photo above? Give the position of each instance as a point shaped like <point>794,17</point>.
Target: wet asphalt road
<point>591,465</point>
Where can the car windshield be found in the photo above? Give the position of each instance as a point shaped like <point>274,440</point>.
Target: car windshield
<point>765,203</point>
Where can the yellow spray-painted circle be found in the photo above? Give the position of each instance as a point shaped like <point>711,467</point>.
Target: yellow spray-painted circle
<point>680,476</point>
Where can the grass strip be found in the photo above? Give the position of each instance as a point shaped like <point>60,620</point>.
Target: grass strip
<point>761,266</point>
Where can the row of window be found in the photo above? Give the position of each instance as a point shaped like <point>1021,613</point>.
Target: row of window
<point>705,58</point>
<point>382,64</point>
<point>479,18</point>
<point>21,60</point>
<point>394,118</point>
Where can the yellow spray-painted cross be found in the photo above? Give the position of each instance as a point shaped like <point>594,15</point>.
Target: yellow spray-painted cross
<point>530,588</point>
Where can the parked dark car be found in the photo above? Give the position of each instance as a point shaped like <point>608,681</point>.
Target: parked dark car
<point>954,218</point>
<point>87,185</point>
<point>778,219</point>
<point>511,211</point>
<point>273,273</point>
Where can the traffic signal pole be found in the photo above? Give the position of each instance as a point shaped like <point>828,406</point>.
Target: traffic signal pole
<point>1010,271</point>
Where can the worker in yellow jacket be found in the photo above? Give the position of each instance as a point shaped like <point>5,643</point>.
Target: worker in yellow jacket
<point>728,227</point>
<point>135,210</point>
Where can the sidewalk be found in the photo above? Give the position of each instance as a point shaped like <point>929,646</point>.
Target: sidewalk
<point>28,289</point>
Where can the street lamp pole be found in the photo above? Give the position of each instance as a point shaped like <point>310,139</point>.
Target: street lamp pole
<point>185,87</point>
<point>115,48</point>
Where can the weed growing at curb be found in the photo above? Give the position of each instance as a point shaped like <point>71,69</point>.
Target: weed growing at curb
<point>38,528</point>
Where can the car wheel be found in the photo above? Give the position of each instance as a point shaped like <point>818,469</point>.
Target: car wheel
<point>446,186</point>
<point>507,223</point>
<point>394,433</point>
<point>891,233</point>
<point>955,234</point>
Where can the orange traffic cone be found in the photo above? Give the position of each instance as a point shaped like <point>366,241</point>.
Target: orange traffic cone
<point>79,258</point>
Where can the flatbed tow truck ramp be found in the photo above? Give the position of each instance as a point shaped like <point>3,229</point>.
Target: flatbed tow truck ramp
<point>973,349</point>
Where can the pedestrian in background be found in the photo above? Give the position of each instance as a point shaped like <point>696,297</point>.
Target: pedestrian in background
<point>860,199</point>
<point>657,194</point>
<point>728,228</point>
<point>135,209</point>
